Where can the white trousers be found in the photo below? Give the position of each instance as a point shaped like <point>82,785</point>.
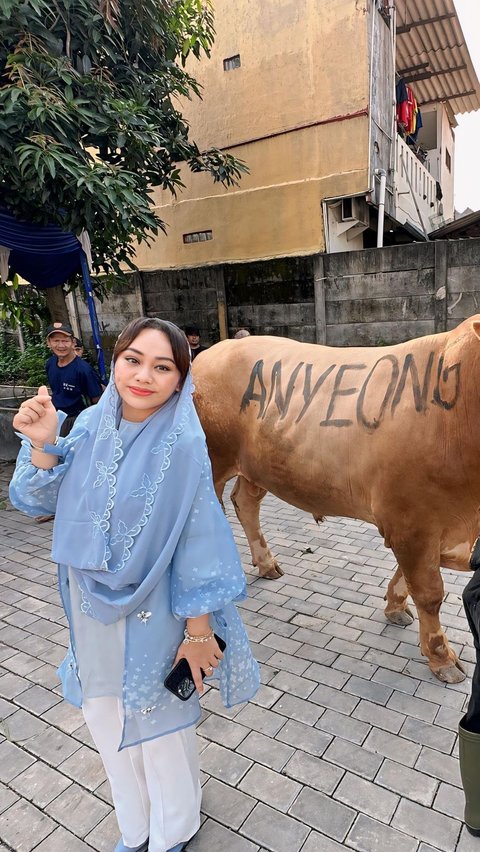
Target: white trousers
<point>155,785</point>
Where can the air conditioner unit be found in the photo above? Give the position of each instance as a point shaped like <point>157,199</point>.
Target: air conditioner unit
<point>356,211</point>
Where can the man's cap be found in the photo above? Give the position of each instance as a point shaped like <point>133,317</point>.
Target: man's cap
<point>61,328</point>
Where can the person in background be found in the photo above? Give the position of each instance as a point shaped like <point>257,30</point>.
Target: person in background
<point>242,332</point>
<point>193,336</point>
<point>75,384</point>
<point>79,348</point>
<point>146,562</point>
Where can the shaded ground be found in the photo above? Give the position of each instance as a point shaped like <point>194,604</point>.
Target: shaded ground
<point>350,743</point>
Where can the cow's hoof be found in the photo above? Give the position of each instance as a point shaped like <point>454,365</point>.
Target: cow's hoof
<point>402,617</point>
<point>452,673</point>
<point>272,573</point>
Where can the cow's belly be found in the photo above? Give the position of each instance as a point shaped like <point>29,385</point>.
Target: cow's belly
<point>318,480</point>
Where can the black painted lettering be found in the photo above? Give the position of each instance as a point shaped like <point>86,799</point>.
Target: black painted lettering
<point>419,393</point>
<point>338,391</point>
<point>251,395</point>
<point>282,402</point>
<point>371,425</point>
<point>443,375</point>
<point>308,393</point>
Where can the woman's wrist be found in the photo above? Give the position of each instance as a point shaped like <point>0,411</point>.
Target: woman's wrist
<point>41,459</point>
<point>198,627</point>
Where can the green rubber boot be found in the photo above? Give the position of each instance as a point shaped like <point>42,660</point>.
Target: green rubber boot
<point>469,754</point>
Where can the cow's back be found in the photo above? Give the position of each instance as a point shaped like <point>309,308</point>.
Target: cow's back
<point>332,430</point>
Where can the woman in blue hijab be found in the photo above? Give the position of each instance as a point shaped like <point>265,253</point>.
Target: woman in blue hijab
<point>148,573</point>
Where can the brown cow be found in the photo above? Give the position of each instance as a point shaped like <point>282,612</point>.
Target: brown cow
<point>389,435</point>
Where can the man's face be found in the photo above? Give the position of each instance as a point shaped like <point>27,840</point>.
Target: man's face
<point>61,344</point>
<point>194,340</point>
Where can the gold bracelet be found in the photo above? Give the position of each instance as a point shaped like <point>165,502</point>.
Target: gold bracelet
<point>189,638</point>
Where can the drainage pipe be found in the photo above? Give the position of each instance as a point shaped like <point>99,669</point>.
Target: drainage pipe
<point>382,174</point>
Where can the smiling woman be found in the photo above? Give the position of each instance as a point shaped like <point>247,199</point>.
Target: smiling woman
<point>148,574</point>
<point>146,373</point>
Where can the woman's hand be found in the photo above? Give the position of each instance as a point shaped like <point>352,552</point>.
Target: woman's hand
<point>201,656</point>
<point>37,418</point>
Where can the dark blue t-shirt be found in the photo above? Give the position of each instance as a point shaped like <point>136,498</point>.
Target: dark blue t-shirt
<point>72,386</point>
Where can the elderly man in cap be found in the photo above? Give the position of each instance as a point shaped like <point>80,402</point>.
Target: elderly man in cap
<point>75,384</point>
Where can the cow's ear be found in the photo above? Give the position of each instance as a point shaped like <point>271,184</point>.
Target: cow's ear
<point>476,327</point>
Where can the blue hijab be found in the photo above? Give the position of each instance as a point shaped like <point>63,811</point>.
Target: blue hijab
<point>106,500</point>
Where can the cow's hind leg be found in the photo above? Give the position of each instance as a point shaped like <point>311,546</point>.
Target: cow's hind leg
<point>397,610</point>
<point>421,570</point>
<point>246,498</point>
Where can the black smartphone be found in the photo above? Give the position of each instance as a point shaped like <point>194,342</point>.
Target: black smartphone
<point>180,681</point>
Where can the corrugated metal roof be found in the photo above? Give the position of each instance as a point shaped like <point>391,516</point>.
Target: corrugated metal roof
<point>441,44</point>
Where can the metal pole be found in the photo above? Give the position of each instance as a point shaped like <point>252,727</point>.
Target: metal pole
<point>381,205</point>
<point>93,317</point>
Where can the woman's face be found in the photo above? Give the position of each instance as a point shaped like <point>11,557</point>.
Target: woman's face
<point>146,375</point>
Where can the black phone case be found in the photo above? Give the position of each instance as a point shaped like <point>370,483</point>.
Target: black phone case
<point>180,681</point>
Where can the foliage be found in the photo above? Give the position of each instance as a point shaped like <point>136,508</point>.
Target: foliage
<point>26,368</point>
<point>89,115</point>
<point>22,305</point>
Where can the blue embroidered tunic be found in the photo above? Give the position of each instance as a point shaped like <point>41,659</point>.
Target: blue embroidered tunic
<point>142,544</point>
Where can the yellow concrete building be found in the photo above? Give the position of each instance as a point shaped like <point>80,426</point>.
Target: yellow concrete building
<point>295,109</point>
<point>305,91</point>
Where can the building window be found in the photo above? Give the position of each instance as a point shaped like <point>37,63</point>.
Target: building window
<point>198,237</point>
<point>448,160</point>
<point>232,62</point>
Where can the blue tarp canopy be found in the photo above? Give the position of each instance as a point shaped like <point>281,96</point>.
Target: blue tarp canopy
<point>46,256</point>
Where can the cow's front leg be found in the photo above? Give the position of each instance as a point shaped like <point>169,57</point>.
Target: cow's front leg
<point>246,498</point>
<point>397,610</point>
<point>424,583</point>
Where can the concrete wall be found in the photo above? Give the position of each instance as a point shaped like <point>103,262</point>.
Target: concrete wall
<point>295,111</point>
<point>369,297</point>
<point>275,297</point>
<point>376,297</point>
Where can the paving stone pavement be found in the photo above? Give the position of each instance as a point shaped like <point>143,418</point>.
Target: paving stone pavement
<point>350,742</point>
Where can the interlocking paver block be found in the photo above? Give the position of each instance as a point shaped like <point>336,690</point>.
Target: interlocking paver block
<point>303,737</point>
<point>407,782</point>
<point>314,772</point>
<point>224,764</point>
<point>366,797</point>
<point>61,841</point>
<point>428,734</point>
<point>265,750</point>
<point>23,826</point>
<point>368,834</point>
<point>296,708</point>
<point>396,748</point>
<point>13,760</point>
<point>270,787</point>
<point>428,825</point>
<point>343,726</point>
<point>439,766</point>
<point>215,838</point>
<point>40,784</point>
<point>226,804</point>
<point>77,810</point>
<point>450,801</point>
<point>320,812</point>
<point>354,758</point>
<point>274,830</point>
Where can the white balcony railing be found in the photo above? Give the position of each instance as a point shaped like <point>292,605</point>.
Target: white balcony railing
<point>415,190</point>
